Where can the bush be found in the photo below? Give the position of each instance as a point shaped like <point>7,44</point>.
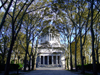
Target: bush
<point>12,62</point>
<point>20,66</point>
<point>2,67</point>
<point>12,67</point>
<point>89,67</point>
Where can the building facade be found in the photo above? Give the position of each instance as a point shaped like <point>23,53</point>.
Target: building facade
<point>50,52</point>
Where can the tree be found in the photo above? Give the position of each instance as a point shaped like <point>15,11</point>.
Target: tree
<point>4,17</point>
<point>3,3</point>
<point>3,45</point>
<point>92,35</point>
<point>15,26</point>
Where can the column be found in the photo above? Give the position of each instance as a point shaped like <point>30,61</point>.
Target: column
<point>48,60</point>
<point>52,59</point>
<point>43,60</point>
<point>56,60</point>
<point>60,60</point>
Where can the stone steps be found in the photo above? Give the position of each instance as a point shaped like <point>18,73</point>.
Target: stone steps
<point>50,66</point>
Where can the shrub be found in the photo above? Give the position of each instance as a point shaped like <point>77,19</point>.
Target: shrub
<point>2,67</point>
<point>12,62</point>
<point>20,66</point>
<point>89,67</point>
<point>12,67</point>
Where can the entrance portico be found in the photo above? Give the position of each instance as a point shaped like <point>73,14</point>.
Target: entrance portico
<point>52,60</point>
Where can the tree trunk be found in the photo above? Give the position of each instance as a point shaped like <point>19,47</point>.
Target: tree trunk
<point>25,61</point>
<point>33,62</point>
<point>76,49</point>
<point>3,56</point>
<point>97,56</point>
<point>8,58</point>
<point>71,55</point>
<point>10,50</point>
<point>82,59</point>
<point>35,55</point>
<point>93,54</point>
<point>29,63</point>
<point>92,35</point>
<point>66,63</point>
<point>27,45</point>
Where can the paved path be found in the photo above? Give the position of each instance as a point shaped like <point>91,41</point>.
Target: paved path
<point>49,71</point>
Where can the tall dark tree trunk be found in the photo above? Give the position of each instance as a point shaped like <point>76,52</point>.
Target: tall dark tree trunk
<point>93,54</point>
<point>97,42</point>
<point>10,50</point>
<point>76,49</point>
<point>27,45</point>
<point>29,63</point>
<point>97,56</point>
<point>35,55</point>
<point>71,55</point>
<point>32,53</point>
<point>33,62</point>
<point>82,59</point>
<point>25,61</point>
<point>3,56</point>
<point>97,48</point>
<point>67,62</point>
<point>92,35</point>
<point>8,58</point>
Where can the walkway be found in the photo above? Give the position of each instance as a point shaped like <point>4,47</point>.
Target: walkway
<point>49,71</point>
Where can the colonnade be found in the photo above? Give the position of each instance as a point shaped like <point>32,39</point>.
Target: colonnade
<point>50,60</point>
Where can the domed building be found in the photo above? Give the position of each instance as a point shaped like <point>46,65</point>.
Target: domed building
<point>50,51</point>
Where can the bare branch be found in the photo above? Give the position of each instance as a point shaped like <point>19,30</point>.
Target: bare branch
<point>4,17</point>
<point>3,3</point>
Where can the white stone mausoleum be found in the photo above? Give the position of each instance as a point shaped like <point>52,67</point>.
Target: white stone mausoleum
<point>50,51</point>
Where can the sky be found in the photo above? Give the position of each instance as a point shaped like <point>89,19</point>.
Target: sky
<point>1,8</point>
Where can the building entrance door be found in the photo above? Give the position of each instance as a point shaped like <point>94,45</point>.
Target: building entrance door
<point>45,60</point>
